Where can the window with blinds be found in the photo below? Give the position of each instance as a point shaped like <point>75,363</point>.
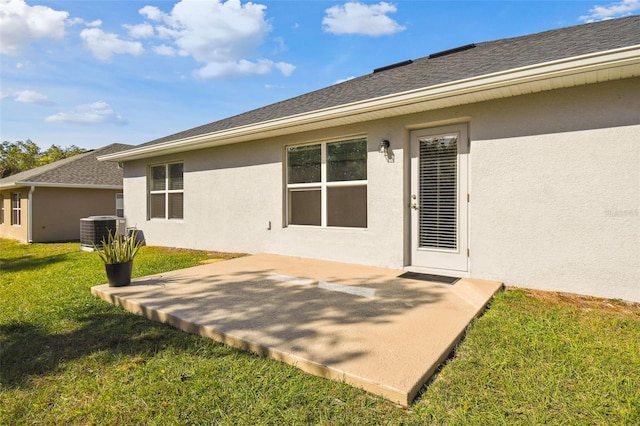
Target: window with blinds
<point>166,191</point>
<point>120,205</point>
<point>437,211</point>
<point>16,209</point>
<point>327,184</point>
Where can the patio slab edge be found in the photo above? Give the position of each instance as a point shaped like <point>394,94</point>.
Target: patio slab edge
<point>358,325</point>
<point>403,397</point>
<point>396,395</point>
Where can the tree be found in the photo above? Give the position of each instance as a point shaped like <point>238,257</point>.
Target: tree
<point>16,157</point>
<point>55,153</point>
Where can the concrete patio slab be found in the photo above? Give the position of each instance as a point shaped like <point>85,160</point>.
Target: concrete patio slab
<point>357,324</point>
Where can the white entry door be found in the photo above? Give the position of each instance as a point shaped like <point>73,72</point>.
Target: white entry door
<point>439,158</point>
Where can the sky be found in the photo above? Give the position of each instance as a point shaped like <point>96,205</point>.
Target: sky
<point>91,73</point>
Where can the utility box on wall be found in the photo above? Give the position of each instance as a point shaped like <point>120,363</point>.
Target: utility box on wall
<point>94,229</point>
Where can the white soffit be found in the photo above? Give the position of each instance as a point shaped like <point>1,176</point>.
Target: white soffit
<point>576,71</point>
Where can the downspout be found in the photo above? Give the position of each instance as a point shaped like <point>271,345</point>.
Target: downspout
<point>30,215</point>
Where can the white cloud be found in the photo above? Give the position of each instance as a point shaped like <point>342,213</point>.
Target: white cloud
<point>80,21</point>
<point>20,24</point>
<point>241,68</point>
<point>281,46</point>
<point>285,68</point>
<point>26,97</point>
<point>31,97</point>
<point>217,32</point>
<point>95,113</point>
<point>105,45</point>
<point>140,31</point>
<point>359,18</point>
<point>165,50</point>
<point>153,13</point>
<point>166,33</point>
<point>613,10</point>
<point>222,35</point>
<point>342,80</point>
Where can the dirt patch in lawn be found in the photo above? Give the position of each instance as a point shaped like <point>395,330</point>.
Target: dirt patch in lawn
<point>587,303</point>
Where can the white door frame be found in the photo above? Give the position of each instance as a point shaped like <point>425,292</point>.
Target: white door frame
<point>444,261</point>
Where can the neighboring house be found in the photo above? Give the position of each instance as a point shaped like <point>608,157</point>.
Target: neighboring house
<point>515,160</point>
<point>46,204</point>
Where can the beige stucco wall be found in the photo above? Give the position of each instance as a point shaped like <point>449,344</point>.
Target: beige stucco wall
<point>553,179</point>
<point>57,211</point>
<point>15,232</point>
<point>556,191</point>
<point>233,192</point>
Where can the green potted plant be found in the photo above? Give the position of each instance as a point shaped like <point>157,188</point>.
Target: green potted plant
<point>117,253</point>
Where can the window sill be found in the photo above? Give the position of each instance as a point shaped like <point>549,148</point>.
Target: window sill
<point>327,228</point>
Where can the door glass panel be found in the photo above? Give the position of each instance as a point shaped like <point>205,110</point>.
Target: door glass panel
<point>438,216</point>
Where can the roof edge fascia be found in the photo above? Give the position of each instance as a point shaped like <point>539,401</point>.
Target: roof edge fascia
<point>531,74</point>
<point>24,184</point>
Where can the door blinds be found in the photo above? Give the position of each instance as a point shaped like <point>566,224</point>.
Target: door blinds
<point>437,211</point>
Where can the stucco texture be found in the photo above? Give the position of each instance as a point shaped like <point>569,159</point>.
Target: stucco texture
<point>556,192</point>
<point>56,212</point>
<point>7,230</point>
<point>553,180</point>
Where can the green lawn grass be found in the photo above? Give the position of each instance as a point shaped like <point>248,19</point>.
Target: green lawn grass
<point>69,358</point>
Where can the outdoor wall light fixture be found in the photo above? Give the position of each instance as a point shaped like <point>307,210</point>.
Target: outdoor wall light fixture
<point>384,146</point>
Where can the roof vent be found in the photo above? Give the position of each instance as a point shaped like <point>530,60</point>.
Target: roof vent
<point>451,51</point>
<point>392,66</point>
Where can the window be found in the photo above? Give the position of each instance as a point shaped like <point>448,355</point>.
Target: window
<point>327,184</point>
<point>1,209</point>
<point>120,205</point>
<point>166,191</point>
<point>15,209</point>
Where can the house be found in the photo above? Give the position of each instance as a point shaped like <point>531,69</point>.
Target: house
<point>46,204</point>
<point>515,160</point>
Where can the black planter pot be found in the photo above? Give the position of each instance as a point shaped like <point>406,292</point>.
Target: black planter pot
<point>119,274</point>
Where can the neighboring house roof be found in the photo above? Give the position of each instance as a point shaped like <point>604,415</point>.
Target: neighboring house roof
<point>562,58</point>
<point>82,170</point>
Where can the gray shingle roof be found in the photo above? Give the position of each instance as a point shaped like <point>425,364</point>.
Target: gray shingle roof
<point>485,58</point>
<point>81,169</point>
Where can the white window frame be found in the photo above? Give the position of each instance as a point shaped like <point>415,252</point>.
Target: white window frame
<point>120,203</point>
<point>1,209</point>
<point>323,184</point>
<point>16,209</point>
<point>165,191</point>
